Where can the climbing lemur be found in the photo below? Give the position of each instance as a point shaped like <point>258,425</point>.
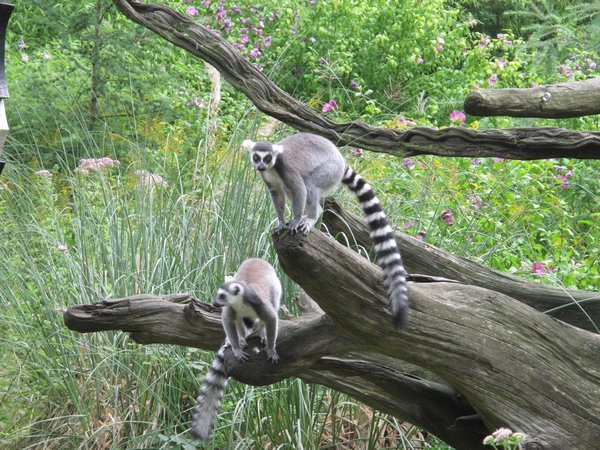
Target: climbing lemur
<point>252,296</point>
<point>304,167</point>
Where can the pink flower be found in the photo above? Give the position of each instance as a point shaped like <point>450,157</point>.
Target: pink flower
<point>484,41</point>
<point>267,41</point>
<point>501,433</point>
<point>149,180</point>
<point>457,117</point>
<point>95,164</point>
<point>569,73</point>
<point>441,40</point>
<point>539,269</point>
<point>44,173</point>
<point>475,201</point>
<point>446,216</point>
<point>421,235</point>
<point>408,163</point>
<point>354,85</point>
<point>356,152</point>
<point>61,248</point>
<point>492,79</point>
<point>329,106</point>
<point>420,60</point>
<point>501,63</point>
<point>244,39</point>
<point>192,11</point>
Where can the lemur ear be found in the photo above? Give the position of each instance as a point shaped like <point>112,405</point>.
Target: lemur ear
<point>229,278</point>
<point>248,144</point>
<point>278,148</point>
<point>236,289</point>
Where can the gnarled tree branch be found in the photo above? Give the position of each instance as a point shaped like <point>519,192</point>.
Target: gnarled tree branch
<point>517,143</point>
<point>512,365</point>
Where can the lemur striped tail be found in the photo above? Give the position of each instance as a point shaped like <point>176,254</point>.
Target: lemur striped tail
<point>207,403</point>
<point>388,255</point>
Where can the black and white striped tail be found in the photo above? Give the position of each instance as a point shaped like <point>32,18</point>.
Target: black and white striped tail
<point>207,403</point>
<point>388,255</point>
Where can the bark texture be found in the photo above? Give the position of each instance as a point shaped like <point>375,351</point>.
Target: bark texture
<point>471,360</point>
<point>516,143</point>
<point>576,99</point>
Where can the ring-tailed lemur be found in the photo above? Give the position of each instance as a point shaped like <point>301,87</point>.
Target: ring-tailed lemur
<point>304,167</point>
<point>252,296</point>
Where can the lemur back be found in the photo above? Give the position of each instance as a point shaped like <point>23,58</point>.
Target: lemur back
<point>252,295</point>
<point>305,167</point>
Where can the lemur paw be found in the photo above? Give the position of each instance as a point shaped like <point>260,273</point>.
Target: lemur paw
<point>272,355</point>
<point>300,226</point>
<point>240,355</point>
<point>242,342</point>
<point>279,228</point>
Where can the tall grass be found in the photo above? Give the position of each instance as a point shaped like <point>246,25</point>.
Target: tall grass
<point>78,238</point>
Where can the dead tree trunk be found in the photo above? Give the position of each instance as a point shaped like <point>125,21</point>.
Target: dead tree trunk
<point>470,361</point>
<point>515,143</point>
<point>576,99</point>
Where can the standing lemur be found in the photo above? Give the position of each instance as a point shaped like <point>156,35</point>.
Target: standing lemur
<point>305,167</point>
<point>252,296</point>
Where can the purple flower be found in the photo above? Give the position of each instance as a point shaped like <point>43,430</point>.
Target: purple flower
<point>419,60</point>
<point>446,216</point>
<point>322,60</point>
<point>61,248</point>
<point>457,117</point>
<point>500,36</point>
<point>408,224</point>
<point>401,120</point>
<point>560,69</point>
<point>498,160</point>
<point>592,65</point>
<point>329,106</point>
<point>244,38</point>
<point>569,73</point>
<point>569,173</point>
<point>507,42</point>
<point>254,53</point>
<point>205,3</point>
<point>484,41</point>
<point>192,11</point>
<point>354,85</point>
<point>267,41</point>
<point>565,182</point>
<point>312,40</point>
<point>440,40</point>
<point>501,63</point>
<point>408,163</point>
<point>492,79</point>
<point>186,2</point>
<point>356,152</point>
<point>21,44</point>
<point>421,235</point>
<point>312,2</point>
<point>195,103</point>
<point>476,161</point>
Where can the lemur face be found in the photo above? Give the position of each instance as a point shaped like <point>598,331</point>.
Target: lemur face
<point>230,293</point>
<point>263,154</point>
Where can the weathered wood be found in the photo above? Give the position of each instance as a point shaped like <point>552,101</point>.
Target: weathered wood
<point>517,143</point>
<point>517,367</point>
<point>311,348</point>
<point>578,308</point>
<point>574,99</point>
<point>512,365</point>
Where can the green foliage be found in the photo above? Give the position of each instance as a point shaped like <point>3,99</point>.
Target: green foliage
<point>75,237</point>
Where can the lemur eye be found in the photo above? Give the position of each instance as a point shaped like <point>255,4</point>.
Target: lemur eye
<point>268,159</point>
<point>221,296</point>
<point>256,158</point>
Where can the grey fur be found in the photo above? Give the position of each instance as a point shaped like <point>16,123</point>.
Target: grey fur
<point>251,297</point>
<point>305,167</point>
